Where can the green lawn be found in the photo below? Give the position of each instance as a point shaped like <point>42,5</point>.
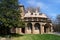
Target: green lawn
<point>37,37</point>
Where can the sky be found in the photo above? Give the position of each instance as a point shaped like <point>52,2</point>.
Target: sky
<point>49,7</point>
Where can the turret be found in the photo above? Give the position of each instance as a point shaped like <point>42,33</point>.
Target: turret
<point>21,7</point>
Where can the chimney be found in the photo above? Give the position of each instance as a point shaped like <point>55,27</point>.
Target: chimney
<point>21,8</point>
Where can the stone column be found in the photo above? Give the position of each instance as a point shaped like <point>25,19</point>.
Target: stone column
<point>19,30</point>
<point>48,30</point>
<point>25,28</point>
<point>51,29</point>
<point>42,28</point>
<point>37,19</point>
<point>16,30</point>
<point>32,28</point>
<point>32,19</point>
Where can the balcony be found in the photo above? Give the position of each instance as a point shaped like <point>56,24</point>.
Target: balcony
<point>28,19</point>
<point>35,19</point>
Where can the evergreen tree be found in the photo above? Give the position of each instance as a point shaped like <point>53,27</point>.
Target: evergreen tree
<point>9,14</point>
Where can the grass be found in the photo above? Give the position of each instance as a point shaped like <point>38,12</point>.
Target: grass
<point>10,35</point>
<point>37,37</point>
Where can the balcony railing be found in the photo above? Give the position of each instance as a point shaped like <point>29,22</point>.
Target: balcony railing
<point>34,19</point>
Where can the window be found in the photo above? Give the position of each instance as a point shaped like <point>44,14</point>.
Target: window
<point>35,19</point>
<point>31,13</point>
<point>37,26</point>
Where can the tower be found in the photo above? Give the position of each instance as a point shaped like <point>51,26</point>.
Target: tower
<point>21,8</point>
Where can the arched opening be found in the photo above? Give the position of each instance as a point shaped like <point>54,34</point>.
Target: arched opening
<point>29,26</point>
<point>47,28</point>
<point>13,30</point>
<point>37,28</point>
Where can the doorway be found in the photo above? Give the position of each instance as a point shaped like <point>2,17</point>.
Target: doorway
<point>47,28</point>
<point>23,30</point>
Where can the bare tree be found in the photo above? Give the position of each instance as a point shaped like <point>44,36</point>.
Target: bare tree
<point>57,23</point>
<point>32,9</point>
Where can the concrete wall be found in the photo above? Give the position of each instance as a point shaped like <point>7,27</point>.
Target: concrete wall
<point>28,31</point>
<point>36,32</point>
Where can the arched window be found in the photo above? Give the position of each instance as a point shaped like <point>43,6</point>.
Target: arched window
<point>29,25</point>
<point>37,26</point>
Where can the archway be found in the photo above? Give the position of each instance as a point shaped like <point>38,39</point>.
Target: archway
<point>47,28</point>
<point>13,30</point>
<point>29,26</point>
<point>37,27</point>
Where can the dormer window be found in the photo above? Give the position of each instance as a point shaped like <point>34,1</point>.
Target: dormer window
<point>31,13</point>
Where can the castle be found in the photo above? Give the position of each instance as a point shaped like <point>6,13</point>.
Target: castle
<point>35,22</point>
